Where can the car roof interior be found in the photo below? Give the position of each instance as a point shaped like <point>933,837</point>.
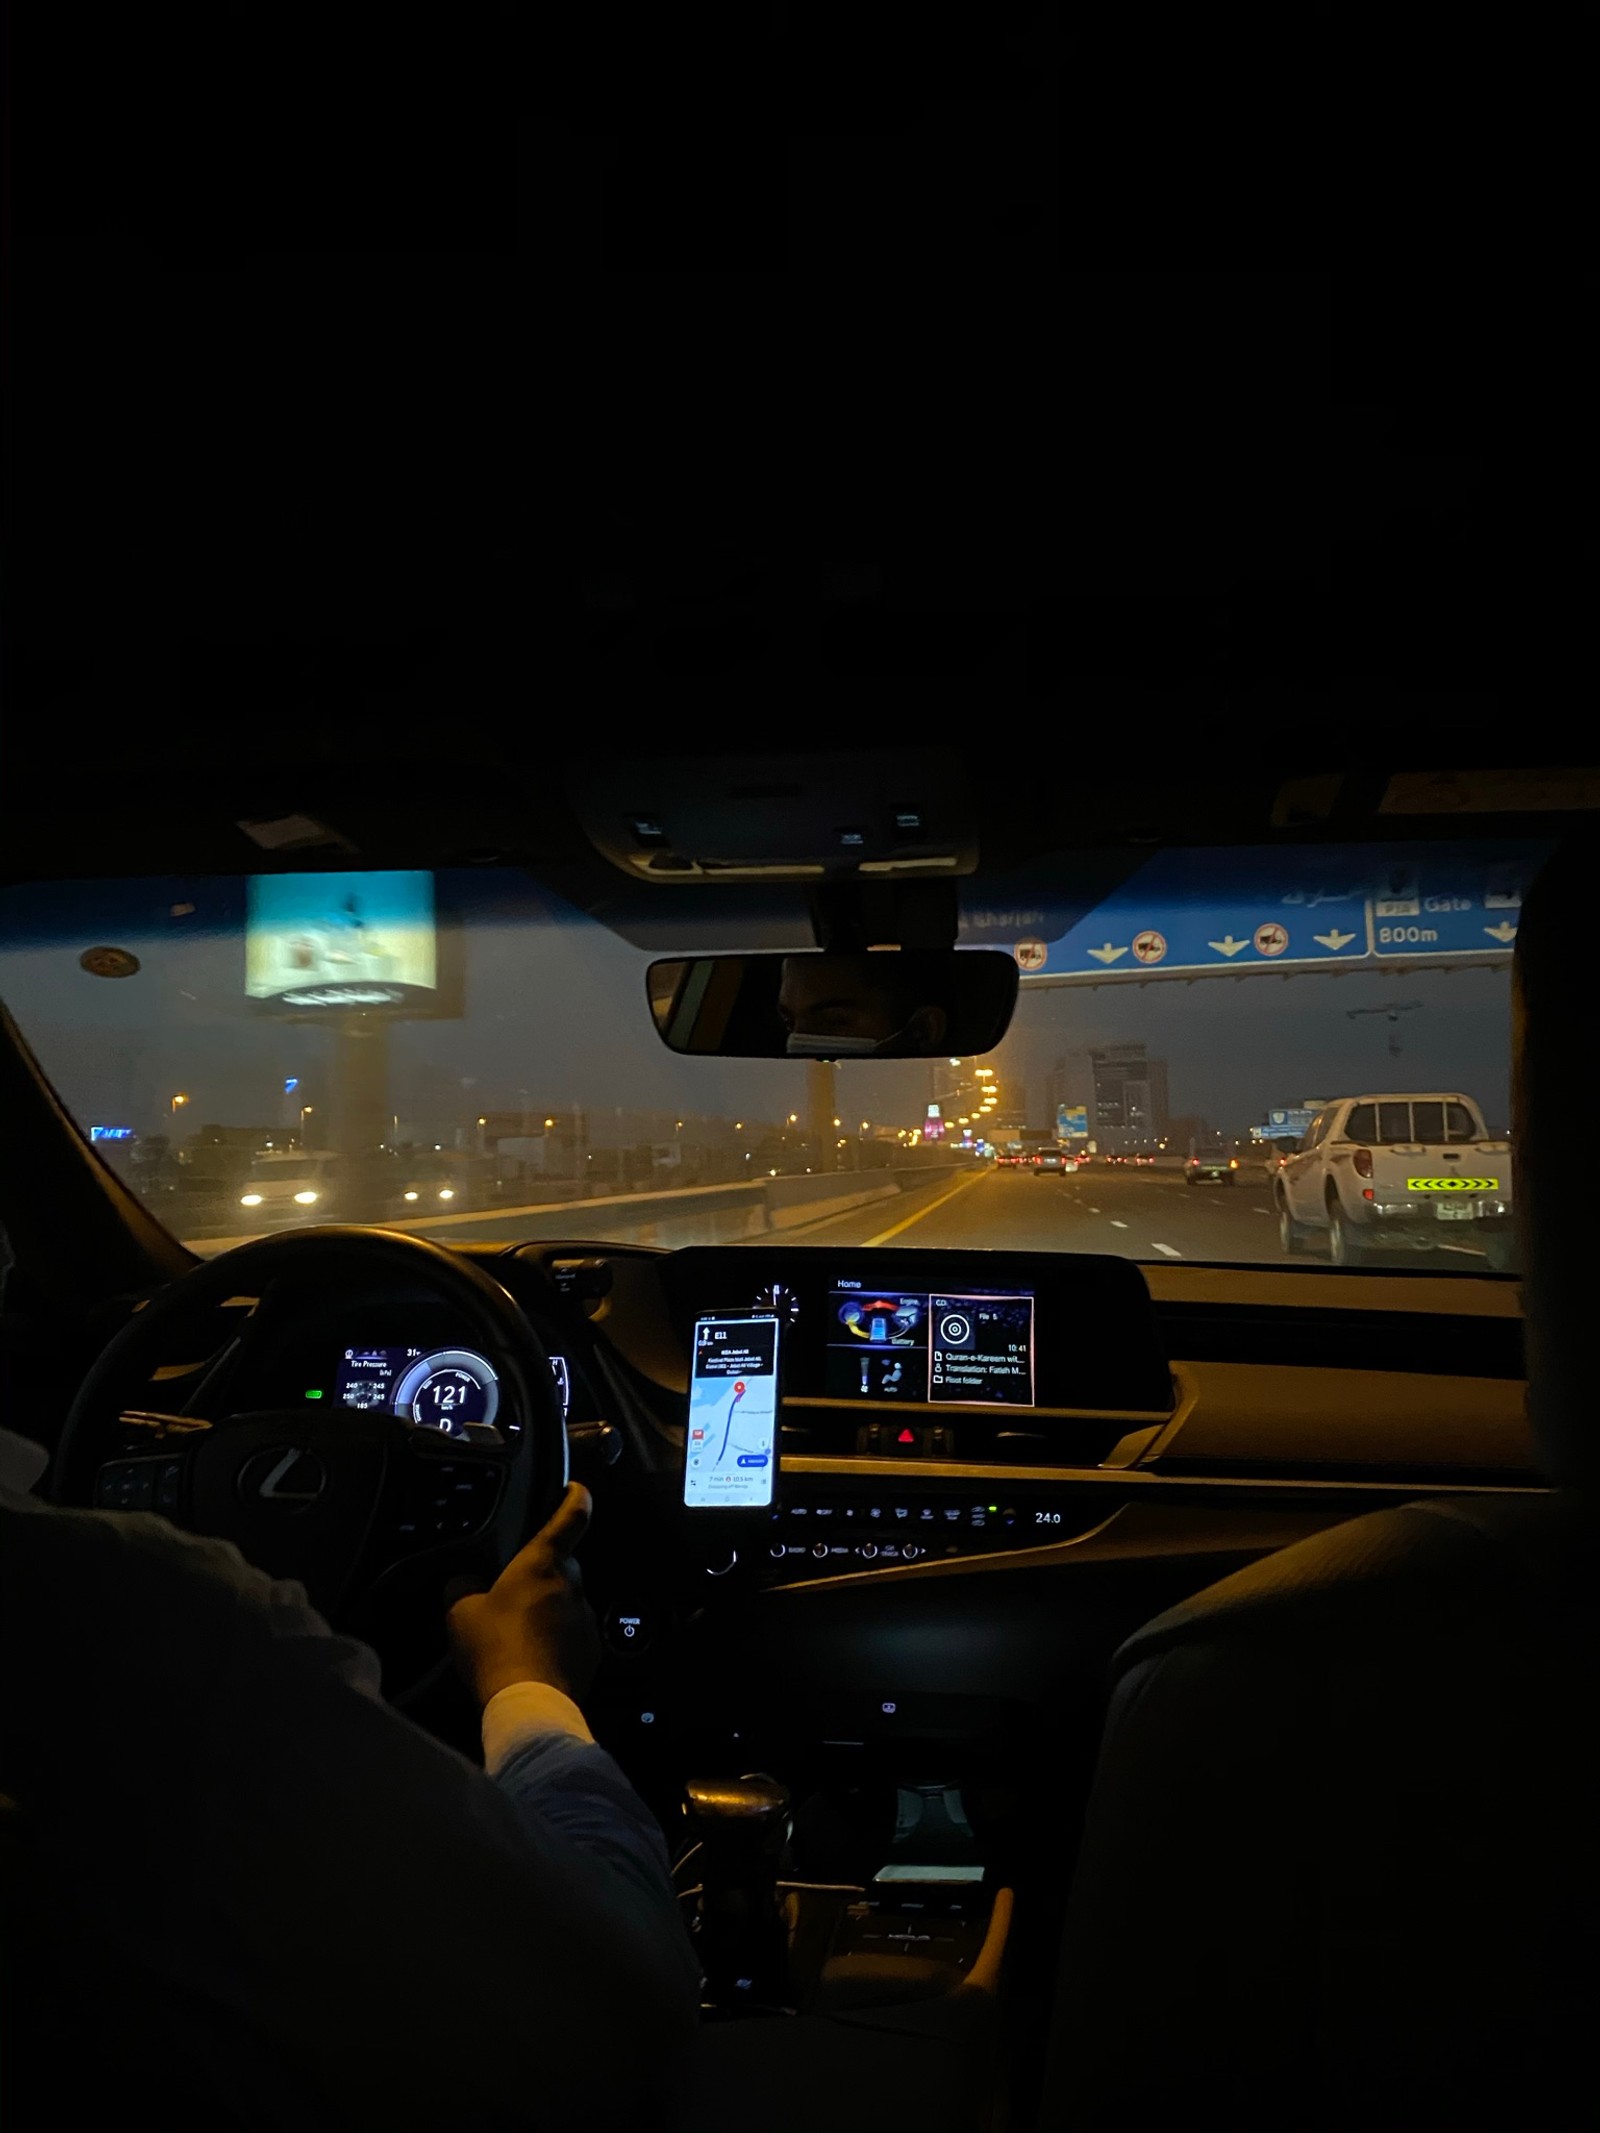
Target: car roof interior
<point>1298,1823</point>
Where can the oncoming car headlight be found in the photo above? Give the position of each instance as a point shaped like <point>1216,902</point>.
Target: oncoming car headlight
<point>304,1199</point>
<point>250,1199</point>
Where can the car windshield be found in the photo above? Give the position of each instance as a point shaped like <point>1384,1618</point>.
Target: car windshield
<point>467,1055</point>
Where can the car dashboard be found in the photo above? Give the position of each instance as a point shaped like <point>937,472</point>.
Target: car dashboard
<point>991,1468</point>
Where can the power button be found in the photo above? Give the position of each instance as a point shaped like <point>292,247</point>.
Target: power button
<point>629,1629</point>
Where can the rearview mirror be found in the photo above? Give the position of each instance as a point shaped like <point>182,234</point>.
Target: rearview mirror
<point>891,1004</point>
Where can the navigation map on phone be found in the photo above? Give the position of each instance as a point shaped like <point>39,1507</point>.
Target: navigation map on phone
<point>733,1414</point>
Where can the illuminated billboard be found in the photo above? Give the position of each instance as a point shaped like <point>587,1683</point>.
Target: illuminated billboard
<point>342,940</point>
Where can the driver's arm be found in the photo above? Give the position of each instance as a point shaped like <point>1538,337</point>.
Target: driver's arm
<point>342,1919</point>
<point>513,1940</point>
<point>529,1648</point>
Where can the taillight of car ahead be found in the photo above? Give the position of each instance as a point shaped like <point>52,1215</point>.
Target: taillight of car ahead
<point>1194,1162</point>
<point>1362,1162</point>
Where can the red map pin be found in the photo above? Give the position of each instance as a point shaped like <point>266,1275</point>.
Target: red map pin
<point>738,1385</point>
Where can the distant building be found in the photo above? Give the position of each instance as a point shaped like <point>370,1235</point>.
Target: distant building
<point>1130,1097</point>
<point>1069,1084</point>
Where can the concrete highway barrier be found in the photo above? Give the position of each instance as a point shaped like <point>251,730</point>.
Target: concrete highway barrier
<point>760,1207</point>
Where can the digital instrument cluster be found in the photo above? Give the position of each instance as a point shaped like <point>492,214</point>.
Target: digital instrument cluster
<point>452,1390</point>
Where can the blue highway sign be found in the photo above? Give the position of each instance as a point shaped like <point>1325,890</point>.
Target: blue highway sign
<point>1255,908</point>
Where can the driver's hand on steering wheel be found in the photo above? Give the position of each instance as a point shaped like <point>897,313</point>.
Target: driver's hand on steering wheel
<point>533,1624</point>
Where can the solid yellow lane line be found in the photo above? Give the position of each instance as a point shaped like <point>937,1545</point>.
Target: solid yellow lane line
<point>894,1230</point>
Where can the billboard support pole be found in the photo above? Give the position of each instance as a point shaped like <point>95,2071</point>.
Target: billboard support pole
<point>822,1104</point>
<point>360,1088</point>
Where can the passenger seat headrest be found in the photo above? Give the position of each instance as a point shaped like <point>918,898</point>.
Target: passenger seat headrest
<point>1555,1050</point>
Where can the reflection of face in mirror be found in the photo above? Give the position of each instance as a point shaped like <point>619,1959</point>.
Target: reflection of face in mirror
<point>843,1007</point>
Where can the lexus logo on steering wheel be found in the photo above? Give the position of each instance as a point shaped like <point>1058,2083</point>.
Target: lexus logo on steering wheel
<point>285,1475</point>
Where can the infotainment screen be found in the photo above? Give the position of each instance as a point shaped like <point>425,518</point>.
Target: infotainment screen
<point>887,1344</point>
<point>1065,1333</point>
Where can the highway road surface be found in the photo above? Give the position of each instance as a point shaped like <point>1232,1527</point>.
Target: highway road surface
<point>1143,1214</point>
<point>1150,1215</point>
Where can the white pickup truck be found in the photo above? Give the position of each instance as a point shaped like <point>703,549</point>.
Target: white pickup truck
<point>1398,1173</point>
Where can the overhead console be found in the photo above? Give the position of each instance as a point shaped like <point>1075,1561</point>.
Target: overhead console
<point>681,818</point>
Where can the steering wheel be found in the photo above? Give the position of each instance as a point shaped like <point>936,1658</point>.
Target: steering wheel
<point>370,1512</point>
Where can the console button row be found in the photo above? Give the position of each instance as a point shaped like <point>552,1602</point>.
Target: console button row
<point>906,1440</point>
<point>844,1534</point>
<point>886,1551</point>
<point>897,1517</point>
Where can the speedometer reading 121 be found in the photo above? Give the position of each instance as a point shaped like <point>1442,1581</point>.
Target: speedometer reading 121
<point>452,1391</point>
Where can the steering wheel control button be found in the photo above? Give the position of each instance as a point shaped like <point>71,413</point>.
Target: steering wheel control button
<point>629,1630</point>
<point>448,1499</point>
<point>127,1485</point>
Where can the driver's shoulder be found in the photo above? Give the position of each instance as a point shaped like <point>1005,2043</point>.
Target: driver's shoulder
<point>120,1557</point>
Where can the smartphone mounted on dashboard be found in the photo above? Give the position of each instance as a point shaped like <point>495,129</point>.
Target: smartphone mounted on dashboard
<point>730,1455</point>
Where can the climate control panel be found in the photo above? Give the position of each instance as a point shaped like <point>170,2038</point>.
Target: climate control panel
<point>825,1529</point>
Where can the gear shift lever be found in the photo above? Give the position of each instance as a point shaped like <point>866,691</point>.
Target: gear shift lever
<point>743,1826</point>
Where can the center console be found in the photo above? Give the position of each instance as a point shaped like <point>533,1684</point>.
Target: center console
<point>927,1923</point>
<point>943,1336</point>
<point>827,1525</point>
<point>936,1404</point>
